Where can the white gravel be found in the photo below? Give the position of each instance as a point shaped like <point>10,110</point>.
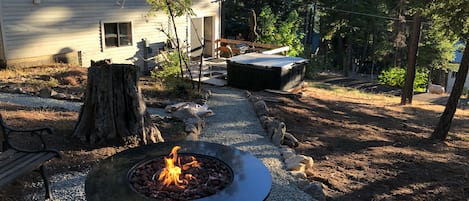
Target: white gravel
<point>234,124</point>
<point>35,101</point>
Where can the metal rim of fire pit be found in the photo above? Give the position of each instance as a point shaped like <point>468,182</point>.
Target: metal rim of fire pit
<point>109,179</point>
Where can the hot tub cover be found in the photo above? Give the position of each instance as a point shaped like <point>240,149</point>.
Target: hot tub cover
<point>267,60</point>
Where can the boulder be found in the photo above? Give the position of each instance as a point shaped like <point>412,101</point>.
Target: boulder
<point>46,93</point>
<point>261,109</point>
<point>279,133</point>
<point>436,89</point>
<point>265,121</point>
<point>290,140</point>
<point>299,160</point>
<point>287,153</point>
<point>298,174</point>
<point>295,163</point>
<point>316,191</point>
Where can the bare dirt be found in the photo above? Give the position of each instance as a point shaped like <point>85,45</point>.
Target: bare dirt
<point>366,146</point>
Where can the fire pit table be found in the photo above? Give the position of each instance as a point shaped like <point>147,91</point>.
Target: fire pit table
<point>112,178</point>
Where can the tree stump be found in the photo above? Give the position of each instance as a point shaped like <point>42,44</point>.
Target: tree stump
<point>113,109</point>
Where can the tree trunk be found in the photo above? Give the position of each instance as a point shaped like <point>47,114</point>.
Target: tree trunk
<point>408,90</point>
<point>113,110</point>
<point>442,129</point>
<point>349,56</point>
<point>341,55</point>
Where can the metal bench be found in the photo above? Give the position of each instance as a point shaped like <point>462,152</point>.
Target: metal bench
<point>16,161</point>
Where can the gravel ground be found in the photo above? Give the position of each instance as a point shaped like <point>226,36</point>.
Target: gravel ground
<point>35,101</point>
<point>234,124</point>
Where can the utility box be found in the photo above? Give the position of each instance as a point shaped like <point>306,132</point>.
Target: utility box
<point>255,71</point>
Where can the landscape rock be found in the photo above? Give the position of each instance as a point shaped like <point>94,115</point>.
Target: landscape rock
<point>46,93</point>
<point>253,99</point>
<point>309,162</point>
<point>265,121</point>
<point>299,161</point>
<point>247,93</point>
<point>288,154</point>
<point>436,89</point>
<point>291,140</point>
<point>20,90</point>
<point>60,96</point>
<point>260,107</point>
<point>279,133</point>
<point>316,191</point>
<point>298,174</point>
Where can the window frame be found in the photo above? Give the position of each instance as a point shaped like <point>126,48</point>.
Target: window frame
<point>118,45</point>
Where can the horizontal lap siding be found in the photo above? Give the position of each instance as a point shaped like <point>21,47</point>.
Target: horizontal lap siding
<point>1,46</point>
<point>53,27</point>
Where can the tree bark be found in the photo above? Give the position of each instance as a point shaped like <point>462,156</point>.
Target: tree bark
<point>113,110</point>
<point>408,90</point>
<point>443,126</point>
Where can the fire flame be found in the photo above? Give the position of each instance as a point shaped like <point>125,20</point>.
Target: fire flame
<point>172,173</point>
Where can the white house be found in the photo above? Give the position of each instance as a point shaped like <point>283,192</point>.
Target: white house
<point>34,32</point>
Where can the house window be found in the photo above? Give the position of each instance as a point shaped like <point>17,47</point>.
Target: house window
<point>118,34</point>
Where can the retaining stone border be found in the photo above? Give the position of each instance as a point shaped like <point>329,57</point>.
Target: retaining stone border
<point>299,166</point>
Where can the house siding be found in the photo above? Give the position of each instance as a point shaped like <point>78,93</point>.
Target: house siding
<point>2,53</point>
<point>2,47</point>
<point>35,33</point>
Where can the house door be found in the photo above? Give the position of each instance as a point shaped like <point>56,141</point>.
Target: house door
<point>208,36</point>
<point>202,32</point>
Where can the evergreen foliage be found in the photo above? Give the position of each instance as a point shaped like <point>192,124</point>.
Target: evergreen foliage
<point>287,33</point>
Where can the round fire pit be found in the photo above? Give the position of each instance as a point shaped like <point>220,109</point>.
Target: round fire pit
<point>249,179</point>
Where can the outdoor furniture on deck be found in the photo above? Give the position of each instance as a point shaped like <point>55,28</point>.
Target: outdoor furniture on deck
<point>236,47</point>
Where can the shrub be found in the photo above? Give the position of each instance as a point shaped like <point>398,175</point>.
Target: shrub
<point>395,77</point>
<point>170,73</point>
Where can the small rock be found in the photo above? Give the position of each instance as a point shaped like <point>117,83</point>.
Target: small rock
<point>19,90</point>
<point>290,140</point>
<point>316,191</point>
<point>45,93</point>
<point>60,96</point>
<point>309,162</point>
<point>309,172</point>
<point>253,99</point>
<point>295,163</point>
<point>298,174</point>
<point>247,93</point>
<point>265,121</point>
<point>260,107</point>
<point>287,153</point>
<point>279,134</point>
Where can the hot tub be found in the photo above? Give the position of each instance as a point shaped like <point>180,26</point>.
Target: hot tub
<point>255,71</point>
